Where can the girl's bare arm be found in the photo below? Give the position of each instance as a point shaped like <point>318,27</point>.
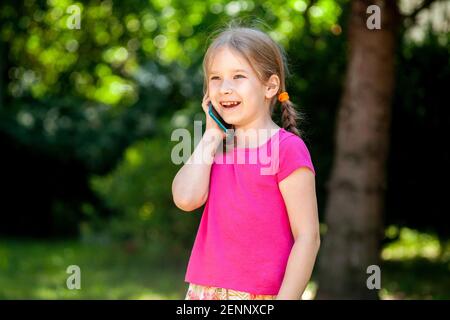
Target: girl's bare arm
<point>191,184</point>
<point>299,194</point>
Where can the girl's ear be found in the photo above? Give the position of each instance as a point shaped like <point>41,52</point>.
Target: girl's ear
<point>272,86</point>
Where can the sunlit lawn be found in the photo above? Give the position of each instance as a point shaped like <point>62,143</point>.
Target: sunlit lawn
<point>415,266</point>
<point>37,270</point>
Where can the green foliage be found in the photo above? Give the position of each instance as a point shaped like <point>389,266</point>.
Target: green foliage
<point>97,95</point>
<point>411,244</point>
<point>138,190</point>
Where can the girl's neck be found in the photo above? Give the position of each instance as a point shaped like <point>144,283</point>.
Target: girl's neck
<point>255,133</point>
<point>263,122</point>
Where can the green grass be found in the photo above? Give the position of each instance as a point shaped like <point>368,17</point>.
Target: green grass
<point>414,266</point>
<point>37,270</point>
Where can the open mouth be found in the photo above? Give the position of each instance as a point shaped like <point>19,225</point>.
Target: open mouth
<point>230,104</point>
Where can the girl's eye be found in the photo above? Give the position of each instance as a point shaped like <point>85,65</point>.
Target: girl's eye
<point>238,75</point>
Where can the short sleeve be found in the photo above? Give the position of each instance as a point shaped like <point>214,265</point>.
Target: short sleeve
<point>293,154</point>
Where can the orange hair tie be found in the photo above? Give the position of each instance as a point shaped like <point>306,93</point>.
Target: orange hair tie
<point>282,97</point>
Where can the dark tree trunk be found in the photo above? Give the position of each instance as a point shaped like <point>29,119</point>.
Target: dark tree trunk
<point>356,189</point>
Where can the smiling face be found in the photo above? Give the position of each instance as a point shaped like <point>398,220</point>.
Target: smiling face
<point>232,79</point>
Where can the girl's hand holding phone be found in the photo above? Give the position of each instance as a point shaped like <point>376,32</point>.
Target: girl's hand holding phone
<point>211,126</point>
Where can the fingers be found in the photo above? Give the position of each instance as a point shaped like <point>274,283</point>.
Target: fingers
<point>205,103</point>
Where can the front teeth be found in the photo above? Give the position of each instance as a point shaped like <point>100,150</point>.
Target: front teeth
<point>230,103</point>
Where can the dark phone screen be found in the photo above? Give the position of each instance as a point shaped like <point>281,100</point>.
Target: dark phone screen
<point>217,115</point>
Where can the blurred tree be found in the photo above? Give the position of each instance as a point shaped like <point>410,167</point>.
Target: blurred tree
<point>357,186</point>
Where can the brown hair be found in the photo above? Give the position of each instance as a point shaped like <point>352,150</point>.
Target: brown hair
<point>264,55</point>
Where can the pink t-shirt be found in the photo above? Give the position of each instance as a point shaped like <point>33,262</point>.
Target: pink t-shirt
<point>244,238</point>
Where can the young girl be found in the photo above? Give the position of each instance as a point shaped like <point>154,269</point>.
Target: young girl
<point>259,233</point>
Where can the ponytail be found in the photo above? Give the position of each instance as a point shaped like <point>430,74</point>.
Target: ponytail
<point>289,115</point>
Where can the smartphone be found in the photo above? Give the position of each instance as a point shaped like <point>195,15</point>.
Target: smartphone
<point>218,119</point>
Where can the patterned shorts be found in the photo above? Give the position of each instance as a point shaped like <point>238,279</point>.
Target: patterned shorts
<point>200,292</point>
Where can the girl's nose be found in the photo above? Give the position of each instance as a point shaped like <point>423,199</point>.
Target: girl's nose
<point>225,87</point>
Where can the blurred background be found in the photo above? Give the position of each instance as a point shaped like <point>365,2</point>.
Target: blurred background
<point>90,92</point>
